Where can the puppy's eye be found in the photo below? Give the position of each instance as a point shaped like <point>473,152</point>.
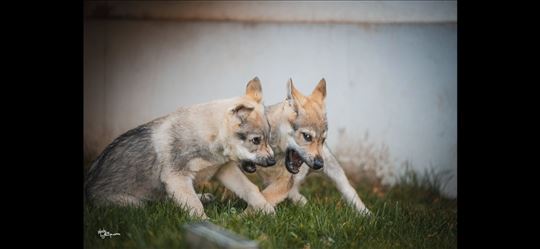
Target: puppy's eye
<point>256,140</point>
<point>241,136</point>
<point>307,137</point>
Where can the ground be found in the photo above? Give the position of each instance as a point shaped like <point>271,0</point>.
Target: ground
<point>410,214</point>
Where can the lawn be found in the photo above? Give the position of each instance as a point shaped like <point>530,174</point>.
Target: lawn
<point>410,214</point>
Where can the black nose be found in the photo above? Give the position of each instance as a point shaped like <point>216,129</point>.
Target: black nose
<point>270,161</point>
<point>318,163</point>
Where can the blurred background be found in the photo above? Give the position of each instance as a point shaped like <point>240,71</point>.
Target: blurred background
<point>390,67</point>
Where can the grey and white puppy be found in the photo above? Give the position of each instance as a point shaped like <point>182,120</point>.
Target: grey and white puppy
<point>165,156</point>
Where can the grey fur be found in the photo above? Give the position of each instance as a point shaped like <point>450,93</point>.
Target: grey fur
<point>127,167</point>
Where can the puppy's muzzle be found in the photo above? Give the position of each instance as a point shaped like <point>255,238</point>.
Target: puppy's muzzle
<point>269,161</point>
<point>318,163</point>
<point>251,167</point>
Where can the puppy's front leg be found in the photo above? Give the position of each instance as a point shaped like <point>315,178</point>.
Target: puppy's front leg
<point>233,178</point>
<point>180,188</point>
<point>334,171</point>
<point>294,194</point>
<point>277,191</point>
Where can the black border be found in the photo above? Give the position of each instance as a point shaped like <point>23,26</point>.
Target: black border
<point>44,115</point>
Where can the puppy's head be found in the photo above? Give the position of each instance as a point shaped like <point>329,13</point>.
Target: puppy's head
<point>308,128</point>
<point>249,130</point>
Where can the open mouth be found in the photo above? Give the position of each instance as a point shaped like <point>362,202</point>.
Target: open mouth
<point>248,166</point>
<point>293,161</point>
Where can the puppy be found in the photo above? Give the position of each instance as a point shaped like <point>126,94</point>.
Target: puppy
<point>165,156</point>
<point>299,129</point>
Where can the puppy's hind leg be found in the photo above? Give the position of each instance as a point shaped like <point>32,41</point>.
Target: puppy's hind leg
<point>333,170</point>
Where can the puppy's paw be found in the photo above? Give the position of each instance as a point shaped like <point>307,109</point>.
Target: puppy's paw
<point>266,209</point>
<point>299,200</point>
<point>365,212</point>
<point>198,214</point>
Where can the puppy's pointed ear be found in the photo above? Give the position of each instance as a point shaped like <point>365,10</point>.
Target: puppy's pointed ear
<point>293,94</point>
<point>319,93</point>
<point>254,90</point>
<point>242,111</point>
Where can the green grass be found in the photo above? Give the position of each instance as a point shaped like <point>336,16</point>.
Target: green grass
<point>411,214</point>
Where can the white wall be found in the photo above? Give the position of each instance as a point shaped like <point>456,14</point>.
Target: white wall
<point>396,81</point>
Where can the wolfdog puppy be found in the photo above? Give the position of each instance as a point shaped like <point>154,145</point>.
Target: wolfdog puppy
<point>165,156</point>
<point>299,129</point>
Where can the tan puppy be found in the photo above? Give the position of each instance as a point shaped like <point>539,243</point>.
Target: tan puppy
<point>298,132</point>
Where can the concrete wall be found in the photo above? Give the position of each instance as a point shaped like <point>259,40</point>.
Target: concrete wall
<point>395,80</point>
